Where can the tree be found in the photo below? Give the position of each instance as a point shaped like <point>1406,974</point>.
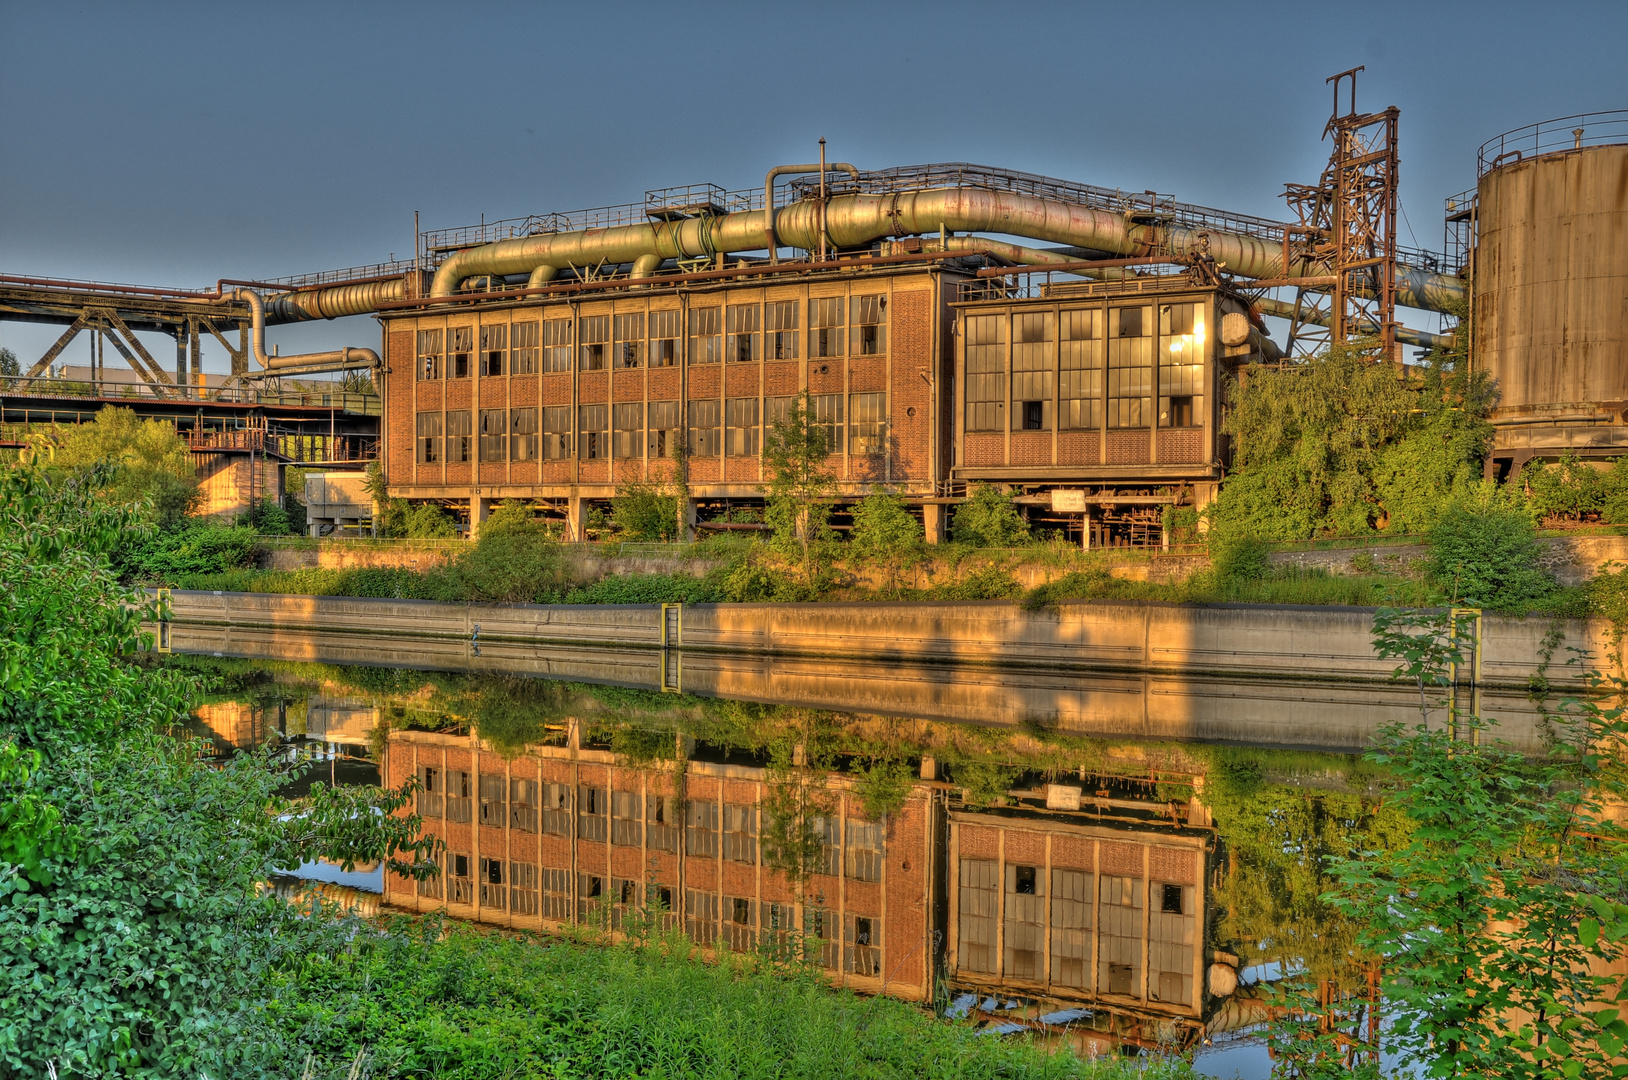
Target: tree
<point>156,468</point>
<point>1485,552</point>
<point>988,519</point>
<point>9,366</point>
<point>886,536</point>
<point>801,489</point>
<point>644,512</point>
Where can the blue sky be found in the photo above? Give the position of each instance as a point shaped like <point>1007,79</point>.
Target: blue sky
<point>176,143</point>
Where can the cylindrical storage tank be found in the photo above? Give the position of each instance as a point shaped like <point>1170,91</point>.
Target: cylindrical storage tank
<point>1551,294</point>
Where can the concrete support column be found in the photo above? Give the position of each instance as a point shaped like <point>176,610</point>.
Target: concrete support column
<point>929,767</point>
<point>689,521</point>
<point>934,519</point>
<point>480,508</point>
<point>574,519</point>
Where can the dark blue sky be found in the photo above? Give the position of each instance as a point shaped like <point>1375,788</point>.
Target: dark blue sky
<point>174,144</point>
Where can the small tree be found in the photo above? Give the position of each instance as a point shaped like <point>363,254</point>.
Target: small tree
<point>9,367</point>
<point>643,511</point>
<point>156,467</point>
<point>801,489</point>
<point>988,519</point>
<point>887,536</point>
<point>1484,552</point>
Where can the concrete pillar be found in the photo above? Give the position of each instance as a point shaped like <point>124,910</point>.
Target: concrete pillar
<point>688,535</point>
<point>929,767</point>
<point>1085,530</point>
<point>479,510</point>
<point>574,519</point>
<point>933,519</point>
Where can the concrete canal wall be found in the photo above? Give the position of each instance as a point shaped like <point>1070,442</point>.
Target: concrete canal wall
<point>1256,674</point>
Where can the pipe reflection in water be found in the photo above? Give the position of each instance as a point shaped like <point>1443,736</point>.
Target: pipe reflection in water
<point>1100,894</point>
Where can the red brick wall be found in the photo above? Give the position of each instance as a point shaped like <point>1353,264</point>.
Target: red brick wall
<point>593,387</point>
<point>984,449</point>
<point>628,386</point>
<point>1031,448</point>
<point>1175,865</point>
<point>910,404</point>
<point>978,842</point>
<point>1077,447</point>
<point>663,383</point>
<point>557,389</point>
<point>869,373</point>
<point>1071,851</point>
<point>742,380</point>
<point>398,407</point>
<point>1122,859</point>
<point>703,381</point>
<point>1128,448</point>
<point>1181,446</point>
<point>828,381</point>
<point>780,379</point>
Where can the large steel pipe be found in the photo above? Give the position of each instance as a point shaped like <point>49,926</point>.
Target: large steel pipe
<point>335,302</point>
<point>297,363</point>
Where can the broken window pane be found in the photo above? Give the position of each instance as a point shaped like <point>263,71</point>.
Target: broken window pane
<point>494,342</point>
<point>525,348</point>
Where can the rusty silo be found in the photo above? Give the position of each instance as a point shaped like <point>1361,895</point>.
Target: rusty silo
<point>1551,287</point>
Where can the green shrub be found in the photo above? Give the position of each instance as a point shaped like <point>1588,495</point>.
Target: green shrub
<point>886,536</point>
<point>427,521</point>
<point>642,513</point>
<point>644,589</point>
<point>509,566</point>
<point>988,519</point>
<point>1236,558</point>
<point>1074,585</point>
<point>984,583</point>
<point>193,547</point>
<point>1486,553</point>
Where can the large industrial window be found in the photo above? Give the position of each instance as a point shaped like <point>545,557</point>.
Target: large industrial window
<point>627,430</point>
<point>492,893</point>
<point>1130,367</point>
<point>867,423</point>
<point>522,434</point>
<point>592,811</point>
<point>661,826</point>
<point>825,327</point>
<point>627,819</point>
<point>1079,385</point>
<point>494,342</point>
<point>594,439</point>
<point>556,893</point>
<point>556,344</point>
<point>557,432</point>
<point>740,333</point>
<point>1171,944</point>
<point>701,916</point>
<point>740,427</point>
<point>630,340</point>
<point>556,815</point>
<point>460,798</point>
<point>493,804</point>
<point>706,335</point>
<point>523,804</point>
<point>865,850</point>
<point>782,330</point>
<point>704,441</point>
<point>522,889</point>
<point>777,413</point>
<point>429,438</point>
<point>460,351</point>
<point>432,789</point>
<point>977,906</point>
<point>828,415</point>
<point>1032,338</point>
<point>701,829</point>
<point>596,331</point>
<point>740,833</point>
<point>459,435</point>
<point>1071,895</point>
<point>740,917</point>
<point>666,429</point>
<point>1120,948</point>
<point>663,338</point>
<point>828,828</point>
<point>429,355</point>
<point>985,347</point>
<point>862,951</point>
<point>460,887</point>
<point>494,435</point>
<point>868,336</point>
<point>1181,365</point>
<point>525,348</point>
<point>1025,937</point>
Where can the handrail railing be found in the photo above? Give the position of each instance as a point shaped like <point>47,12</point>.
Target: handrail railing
<point>42,386</point>
<point>1557,136</point>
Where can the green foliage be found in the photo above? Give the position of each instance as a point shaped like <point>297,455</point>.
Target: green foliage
<point>389,515</point>
<point>645,589</point>
<point>510,565</point>
<point>984,783</point>
<point>31,829</point>
<point>194,547</point>
<point>268,518</point>
<point>1088,584</point>
<point>156,464</point>
<point>1236,558</point>
<point>8,364</point>
<point>1485,553</point>
<point>882,787</point>
<point>644,512</point>
<point>988,519</point>
<point>1181,522</point>
<point>514,518</point>
<point>886,536</point>
<point>801,490</point>
<point>1575,490</point>
<point>993,582</point>
<point>428,521</point>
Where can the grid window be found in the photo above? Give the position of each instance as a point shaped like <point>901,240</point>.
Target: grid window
<point>666,429</point>
<point>1071,893</point>
<point>1181,365</point>
<point>865,850</point>
<point>862,951</point>
<point>493,805</point>
<point>826,332</point>
<point>1032,341</point>
<point>460,351</point>
<point>494,435</point>
<point>595,348</point>
<point>1025,937</point>
<point>740,833</point>
<point>661,827</point>
<point>459,435</point>
<point>494,342</point>
<point>977,907</point>
<point>429,438</point>
<point>741,333</point>
<point>522,434</point>
<point>627,430</point>
<point>626,818</point>
<point>867,423</point>
<point>593,805</point>
<point>460,796</point>
<point>522,889</point>
<point>704,440</point>
<point>556,344</point>
<point>706,335</point>
<point>492,893</point>
<point>868,336</point>
<point>1130,367</point>
<point>524,355</point>
<point>829,831</point>
<point>782,330</point>
<point>828,415</point>
<point>630,340</point>
<point>429,355</point>
<point>740,427</point>
<point>1171,943</point>
<point>822,927</point>
<point>557,809</point>
<point>556,894</point>
<point>701,829</point>
<point>594,440</point>
<point>1120,940</point>
<point>701,916</point>
<point>740,917</point>
<point>593,899</point>
<point>557,432</point>
<point>663,338</point>
<point>1079,380</point>
<point>985,347</point>
<point>432,785</point>
<point>460,885</point>
<point>523,804</point>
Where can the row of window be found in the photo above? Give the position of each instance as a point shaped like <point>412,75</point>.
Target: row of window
<point>1050,366</point>
<point>742,333</point>
<point>628,819</point>
<point>734,427</point>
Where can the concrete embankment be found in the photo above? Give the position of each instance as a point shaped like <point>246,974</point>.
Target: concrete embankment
<point>1255,674</point>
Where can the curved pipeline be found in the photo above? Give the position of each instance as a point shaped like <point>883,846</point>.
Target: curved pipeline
<point>793,170</point>
<point>335,302</point>
<point>856,220</point>
<point>298,363</point>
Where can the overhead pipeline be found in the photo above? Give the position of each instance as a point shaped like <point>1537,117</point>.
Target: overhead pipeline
<point>298,363</point>
<point>335,301</point>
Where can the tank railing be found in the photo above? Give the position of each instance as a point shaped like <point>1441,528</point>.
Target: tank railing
<point>1553,137</point>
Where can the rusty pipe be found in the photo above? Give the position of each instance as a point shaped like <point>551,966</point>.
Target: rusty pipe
<point>793,170</point>
<point>335,301</point>
<point>306,363</point>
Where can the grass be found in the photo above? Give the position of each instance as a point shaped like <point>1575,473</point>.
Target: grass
<point>466,1003</point>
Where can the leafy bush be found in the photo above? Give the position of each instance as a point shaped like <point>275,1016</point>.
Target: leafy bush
<point>1575,490</point>
<point>155,469</point>
<point>886,536</point>
<point>644,589</point>
<point>198,547</point>
<point>984,583</point>
<point>1237,558</point>
<point>642,512</point>
<point>268,517</point>
<point>509,566</point>
<point>988,519</point>
<point>514,518</point>
<point>427,521</point>
<point>1074,585</point>
<point>1485,552</point>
